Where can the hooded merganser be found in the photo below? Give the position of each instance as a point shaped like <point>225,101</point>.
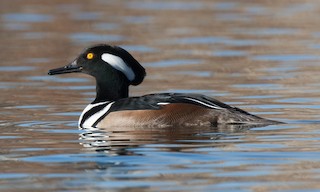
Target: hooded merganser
<point>115,70</point>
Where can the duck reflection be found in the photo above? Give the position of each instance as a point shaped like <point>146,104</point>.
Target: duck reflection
<point>120,140</point>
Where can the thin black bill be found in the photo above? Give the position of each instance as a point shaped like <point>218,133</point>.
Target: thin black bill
<point>66,69</point>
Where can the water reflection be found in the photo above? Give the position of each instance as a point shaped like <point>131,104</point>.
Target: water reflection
<point>86,16</point>
<point>286,58</point>
<point>166,5</point>
<point>16,68</point>
<point>27,17</point>
<point>171,63</point>
<point>138,19</point>
<point>267,31</point>
<point>120,140</point>
<point>92,37</point>
<point>16,26</point>
<point>106,26</point>
<point>216,40</point>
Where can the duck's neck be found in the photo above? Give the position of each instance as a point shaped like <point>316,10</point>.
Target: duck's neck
<point>110,91</point>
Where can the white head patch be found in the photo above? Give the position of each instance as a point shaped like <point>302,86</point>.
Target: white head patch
<point>118,63</point>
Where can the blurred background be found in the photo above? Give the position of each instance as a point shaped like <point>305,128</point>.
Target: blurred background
<point>261,56</point>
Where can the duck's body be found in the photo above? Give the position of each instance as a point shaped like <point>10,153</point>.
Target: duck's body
<point>115,69</point>
<point>163,110</point>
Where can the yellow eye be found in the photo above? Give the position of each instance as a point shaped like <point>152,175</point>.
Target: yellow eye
<point>90,56</point>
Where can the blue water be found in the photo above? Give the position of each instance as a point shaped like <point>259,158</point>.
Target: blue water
<point>86,38</point>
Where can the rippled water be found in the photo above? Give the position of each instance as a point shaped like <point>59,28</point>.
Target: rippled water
<point>260,56</point>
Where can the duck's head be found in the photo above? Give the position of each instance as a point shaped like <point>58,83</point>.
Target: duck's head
<point>113,68</point>
<point>105,60</point>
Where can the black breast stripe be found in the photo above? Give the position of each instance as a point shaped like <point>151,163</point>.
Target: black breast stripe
<point>92,111</point>
<point>102,117</point>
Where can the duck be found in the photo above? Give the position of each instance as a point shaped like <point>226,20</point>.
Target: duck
<point>115,70</point>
